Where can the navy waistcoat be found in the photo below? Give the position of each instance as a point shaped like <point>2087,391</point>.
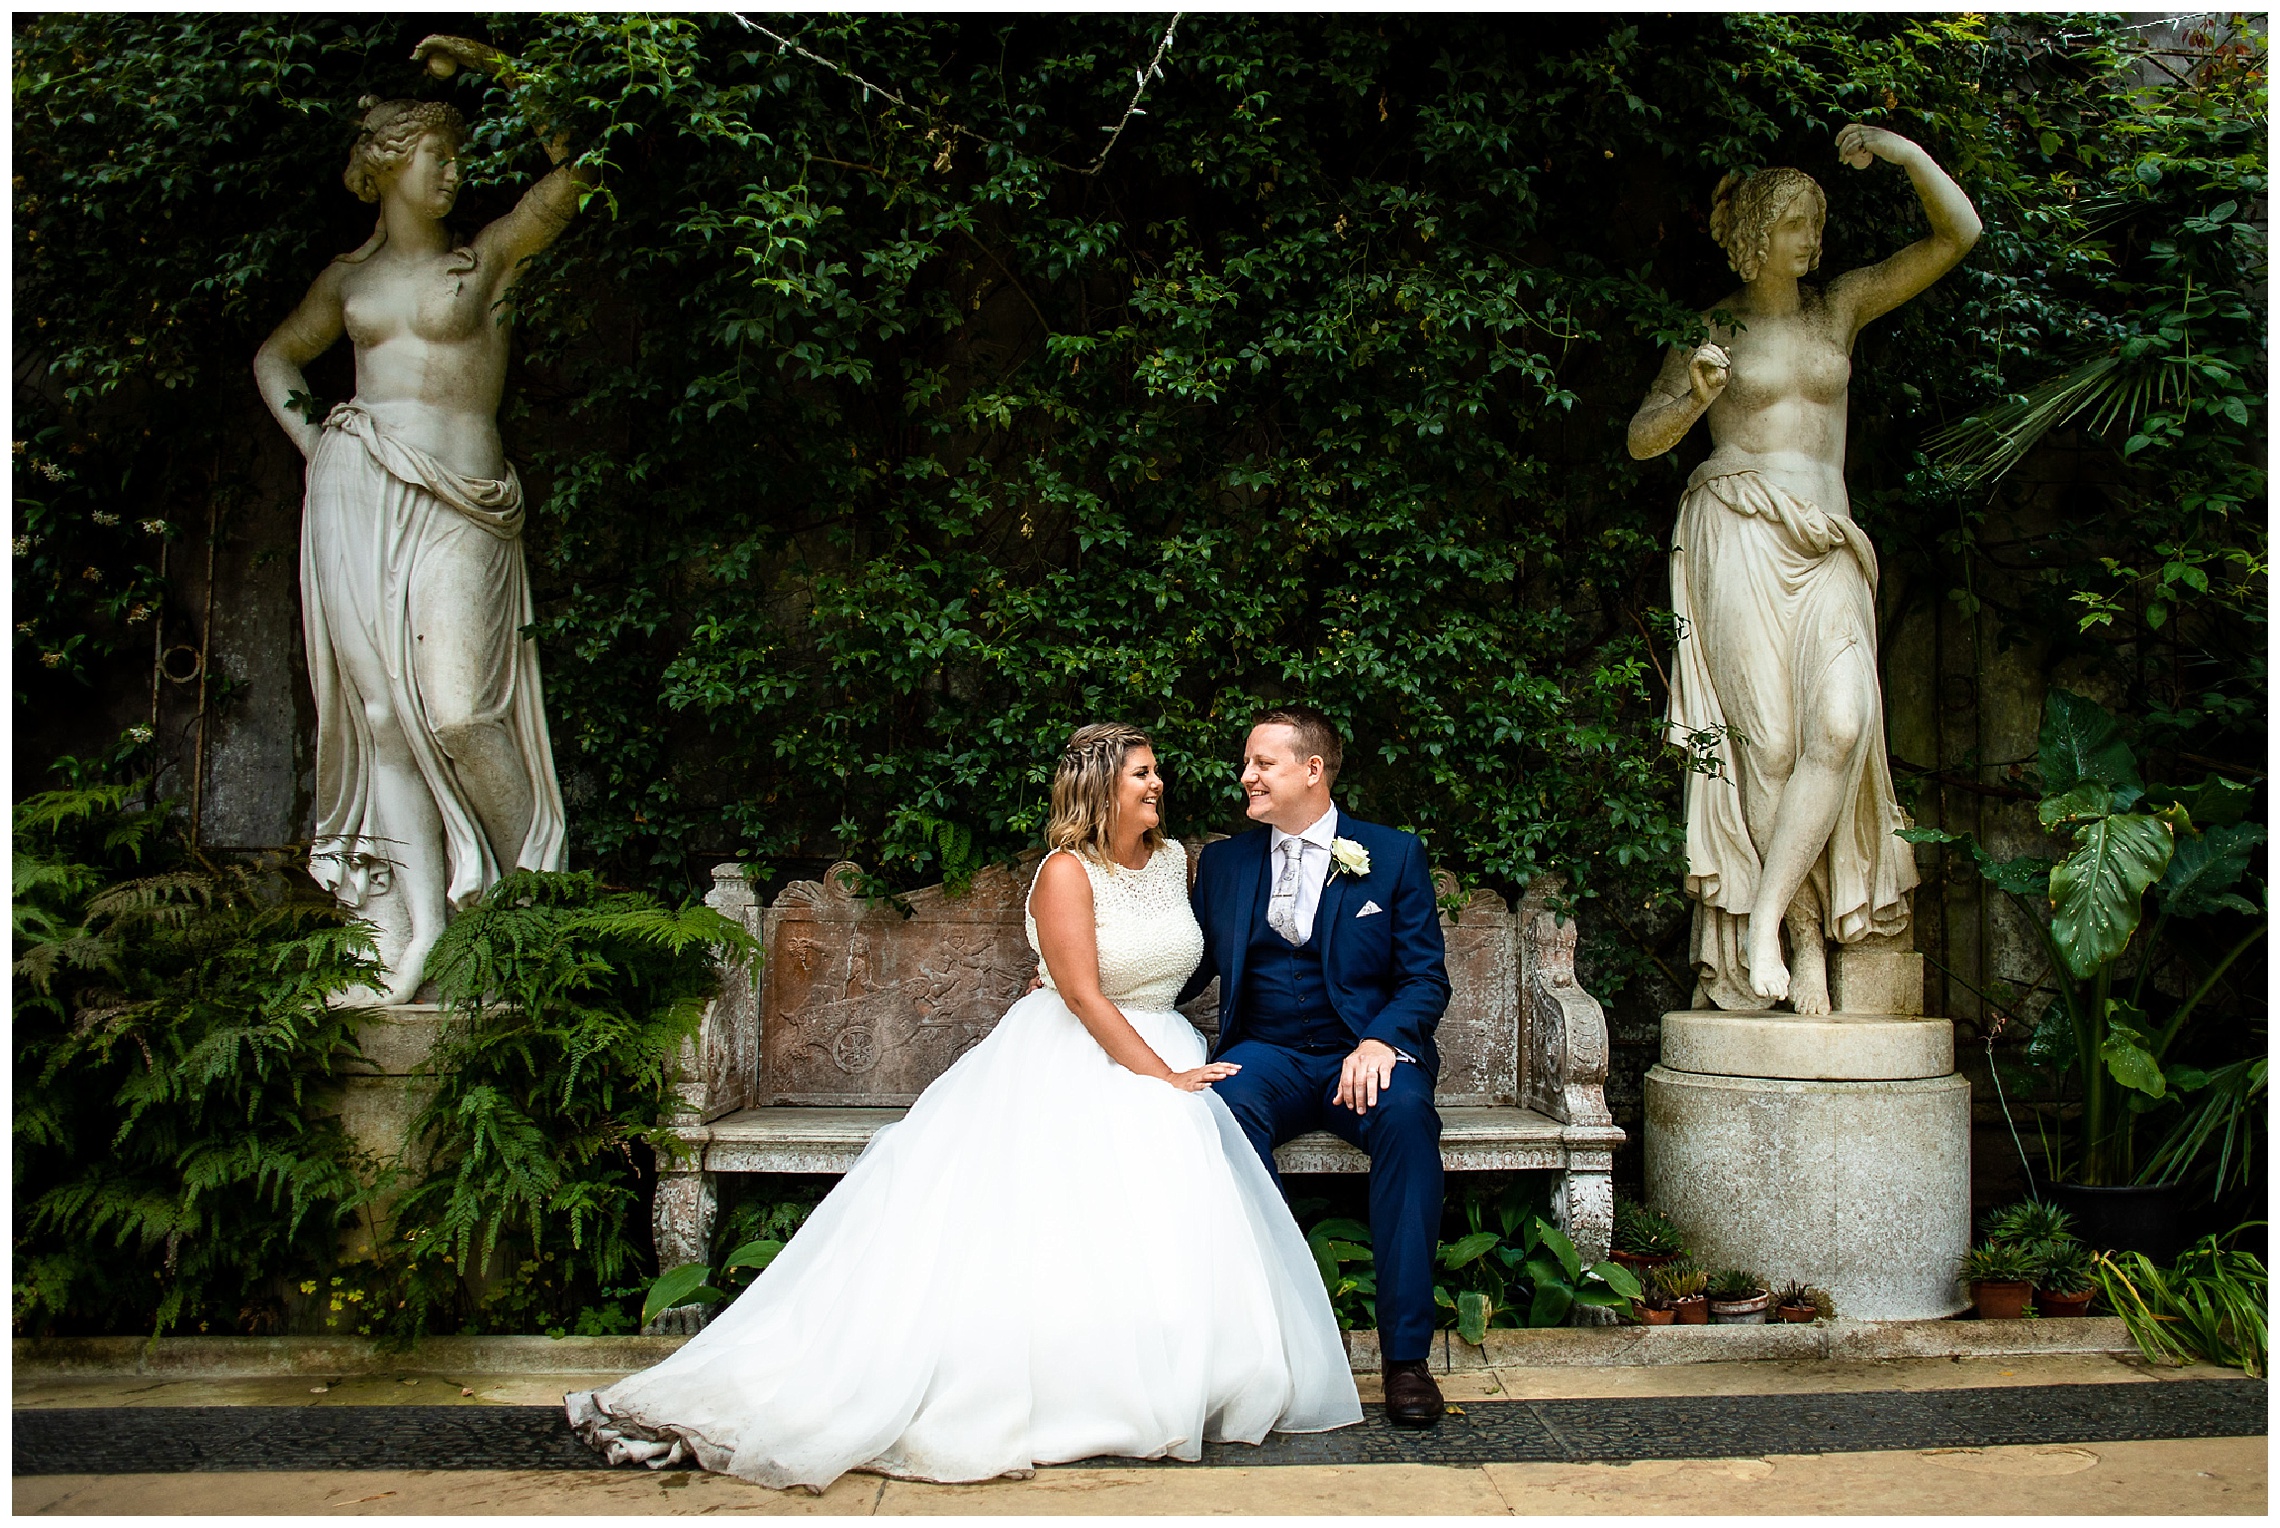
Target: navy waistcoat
<point>1285,1000</point>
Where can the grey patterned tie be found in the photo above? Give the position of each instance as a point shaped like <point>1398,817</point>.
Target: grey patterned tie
<point>1282,907</point>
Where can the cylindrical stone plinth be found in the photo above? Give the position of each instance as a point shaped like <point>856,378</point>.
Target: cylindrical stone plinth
<point>1857,1186</point>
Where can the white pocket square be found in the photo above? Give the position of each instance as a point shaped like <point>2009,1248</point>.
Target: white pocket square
<point>1368,908</point>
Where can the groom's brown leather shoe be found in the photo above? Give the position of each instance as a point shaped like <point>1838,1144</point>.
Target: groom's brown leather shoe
<point>1411,1397</point>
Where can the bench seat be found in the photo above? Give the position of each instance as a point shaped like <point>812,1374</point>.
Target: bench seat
<point>786,1139</point>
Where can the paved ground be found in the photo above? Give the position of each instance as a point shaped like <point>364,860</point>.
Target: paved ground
<point>2090,1435</point>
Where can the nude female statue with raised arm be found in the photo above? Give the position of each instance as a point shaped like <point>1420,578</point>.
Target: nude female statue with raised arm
<point>1775,588</point>
<point>434,772</point>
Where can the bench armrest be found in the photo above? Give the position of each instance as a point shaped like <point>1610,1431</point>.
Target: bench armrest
<point>1561,1025</point>
<point>714,1072</point>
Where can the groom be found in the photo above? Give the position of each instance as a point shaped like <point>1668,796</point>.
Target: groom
<point>1323,933</point>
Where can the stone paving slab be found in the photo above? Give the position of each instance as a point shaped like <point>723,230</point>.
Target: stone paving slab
<point>194,1439</point>
<point>2196,1476</point>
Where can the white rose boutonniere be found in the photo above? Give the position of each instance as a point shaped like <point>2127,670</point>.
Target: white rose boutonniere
<point>1349,857</point>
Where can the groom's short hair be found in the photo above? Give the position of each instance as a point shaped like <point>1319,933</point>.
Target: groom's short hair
<point>1317,735</point>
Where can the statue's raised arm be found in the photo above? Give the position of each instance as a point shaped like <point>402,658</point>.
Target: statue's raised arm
<point>434,771</point>
<point>1875,290</point>
<point>1775,588</point>
<point>546,208</point>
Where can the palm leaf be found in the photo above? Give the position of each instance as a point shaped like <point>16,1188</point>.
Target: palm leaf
<point>2111,393</point>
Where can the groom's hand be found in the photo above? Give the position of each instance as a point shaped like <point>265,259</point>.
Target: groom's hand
<point>1366,1072</point>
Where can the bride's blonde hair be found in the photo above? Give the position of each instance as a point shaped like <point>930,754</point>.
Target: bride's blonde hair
<point>1085,780</point>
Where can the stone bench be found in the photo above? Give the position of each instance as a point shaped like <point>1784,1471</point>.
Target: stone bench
<point>857,1006</point>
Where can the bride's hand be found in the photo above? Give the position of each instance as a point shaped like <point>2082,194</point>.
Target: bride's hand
<point>1203,1076</point>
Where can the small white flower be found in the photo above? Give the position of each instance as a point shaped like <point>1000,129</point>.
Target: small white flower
<point>154,527</point>
<point>1348,856</point>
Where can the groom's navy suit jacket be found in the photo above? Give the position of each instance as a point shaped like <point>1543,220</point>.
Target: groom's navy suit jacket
<point>1386,972</point>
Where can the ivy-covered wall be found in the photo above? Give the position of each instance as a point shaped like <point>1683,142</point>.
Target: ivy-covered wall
<point>875,437</point>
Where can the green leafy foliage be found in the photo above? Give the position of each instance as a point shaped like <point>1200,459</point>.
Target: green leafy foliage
<point>871,446</point>
<point>1507,1266</point>
<point>1682,1280</point>
<point>1515,1268</point>
<point>1998,1263</point>
<point>2097,892</point>
<point>569,1001</point>
<point>2063,1267</point>
<point>2106,1026</point>
<point>2028,1221</point>
<point>686,1285</point>
<point>1646,1232</point>
<point>2210,1305</point>
<point>178,1165</point>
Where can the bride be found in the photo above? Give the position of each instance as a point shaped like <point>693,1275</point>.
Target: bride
<point>1067,1248</point>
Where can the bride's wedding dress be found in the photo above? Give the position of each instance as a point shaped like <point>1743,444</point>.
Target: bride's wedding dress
<point>1049,1258</point>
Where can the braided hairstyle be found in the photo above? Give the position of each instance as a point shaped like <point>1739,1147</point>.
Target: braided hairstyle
<point>1744,209</point>
<point>1083,818</point>
<point>389,133</point>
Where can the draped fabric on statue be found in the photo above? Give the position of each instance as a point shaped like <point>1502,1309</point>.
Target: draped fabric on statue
<point>379,512</point>
<point>1771,592</point>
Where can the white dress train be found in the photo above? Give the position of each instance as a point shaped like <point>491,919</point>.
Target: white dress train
<point>1049,1258</point>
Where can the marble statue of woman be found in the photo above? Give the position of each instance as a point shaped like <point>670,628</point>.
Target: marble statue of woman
<point>1775,588</point>
<point>434,773</point>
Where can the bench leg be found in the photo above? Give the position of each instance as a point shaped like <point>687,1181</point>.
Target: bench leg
<point>1587,1214</point>
<point>683,1225</point>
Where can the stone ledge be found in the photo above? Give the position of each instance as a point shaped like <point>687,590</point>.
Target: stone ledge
<point>1630,1346</point>
<point>1540,1348</point>
<point>262,1357</point>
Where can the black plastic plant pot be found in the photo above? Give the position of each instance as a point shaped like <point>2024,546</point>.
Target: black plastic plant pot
<point>2129,1218</point>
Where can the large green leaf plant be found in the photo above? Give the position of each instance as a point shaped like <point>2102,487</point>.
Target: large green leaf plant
<point>2108,1024</point>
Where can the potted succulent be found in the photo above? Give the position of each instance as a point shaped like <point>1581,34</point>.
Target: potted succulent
<point>1738,1297</point>
<point>2028,1222</point>
<point>1654,1309</point>
<point>1794,1303</point>
<point>2001,1276</point>
<point>2063,1279</point>
<point>1644,1239</point>
<point>1686,1287</point>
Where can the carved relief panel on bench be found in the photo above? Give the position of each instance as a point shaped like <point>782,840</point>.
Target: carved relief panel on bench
<point>865,1005</point>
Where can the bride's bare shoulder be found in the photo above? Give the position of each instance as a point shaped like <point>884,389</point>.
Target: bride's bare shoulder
<point>1062,878</point>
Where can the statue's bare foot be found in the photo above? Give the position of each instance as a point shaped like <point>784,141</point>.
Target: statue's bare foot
<point>410,969</point>
<point>1769,974</point>
<point>1809,983</point>
<point>404,969</point>
<point>1808,966</point>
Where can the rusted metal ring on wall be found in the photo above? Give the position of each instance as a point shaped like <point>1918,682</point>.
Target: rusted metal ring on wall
<point>181,663</point>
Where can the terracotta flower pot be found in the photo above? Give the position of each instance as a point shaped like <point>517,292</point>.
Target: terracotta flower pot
<point>2006,1301</point>
<point>2064,1305</point>
<point>1694,1310</point>
<point>1748,1311</point>
<point>1651,1316</point>
<point>1640,1262</point>
<point>1796,1314</point>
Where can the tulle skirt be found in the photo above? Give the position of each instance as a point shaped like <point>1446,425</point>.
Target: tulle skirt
<point>1049,1258</point>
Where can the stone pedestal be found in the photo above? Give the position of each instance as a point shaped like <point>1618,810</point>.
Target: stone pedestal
<point>381,1095</point>
<point>1833,1150</point>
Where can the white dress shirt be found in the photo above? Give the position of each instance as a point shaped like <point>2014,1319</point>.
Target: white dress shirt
<point>1313,867</point>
